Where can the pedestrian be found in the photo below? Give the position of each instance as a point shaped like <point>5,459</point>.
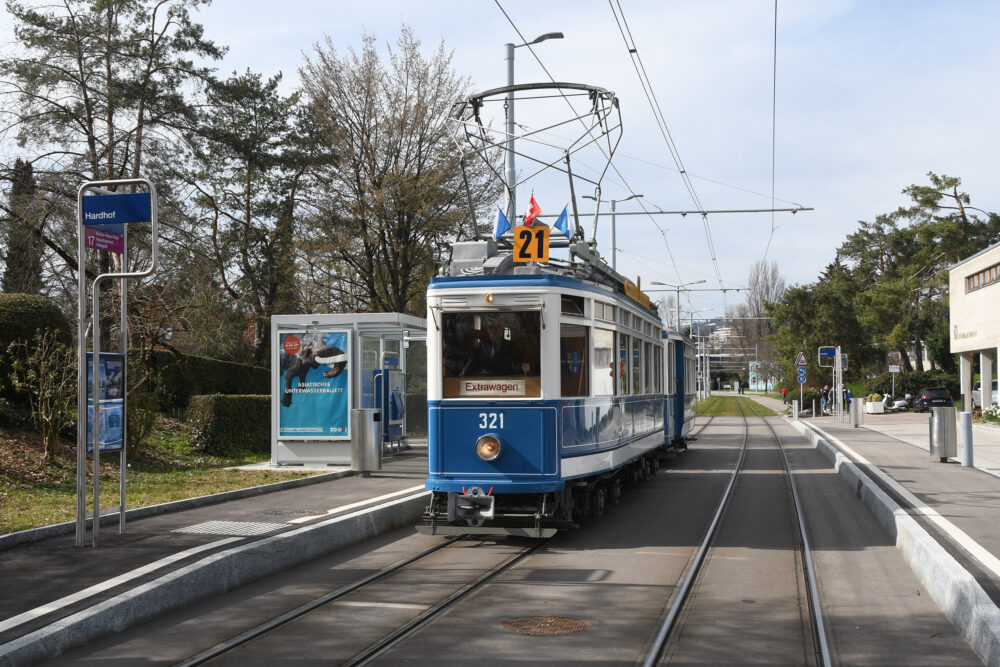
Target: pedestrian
<point>784,394</point>
<point>847,398</point>
<point>823,398</point>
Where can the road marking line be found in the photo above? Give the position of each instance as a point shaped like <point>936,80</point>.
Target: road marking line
<point>15,621</point>
<point>988,560</point>
<point>344,508</point>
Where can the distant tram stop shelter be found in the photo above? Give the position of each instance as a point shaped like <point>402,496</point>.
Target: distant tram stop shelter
<point>974,285</point>
<point>346,388</point>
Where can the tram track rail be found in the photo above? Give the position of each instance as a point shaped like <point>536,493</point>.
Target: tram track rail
<point>391,639</point>
<point>666,631</point>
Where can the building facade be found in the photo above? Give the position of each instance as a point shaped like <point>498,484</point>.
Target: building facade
<point>974,294</point>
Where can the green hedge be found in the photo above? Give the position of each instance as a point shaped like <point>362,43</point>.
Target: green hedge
<point>193,376</point>
<point>21,315</point>
<point>225,425</point>
<point>911,383</point>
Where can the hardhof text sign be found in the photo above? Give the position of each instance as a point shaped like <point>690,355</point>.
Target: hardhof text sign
<point>117,208</point>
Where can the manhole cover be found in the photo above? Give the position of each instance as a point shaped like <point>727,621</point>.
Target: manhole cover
<point>544,625</point>
<point>284,512</point>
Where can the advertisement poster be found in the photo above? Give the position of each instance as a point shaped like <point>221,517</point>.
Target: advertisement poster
<point>112,386</point>
<point>314,385</point>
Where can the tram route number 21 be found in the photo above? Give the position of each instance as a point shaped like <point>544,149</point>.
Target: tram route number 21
<point>531,244</point>
<point>490,420</point>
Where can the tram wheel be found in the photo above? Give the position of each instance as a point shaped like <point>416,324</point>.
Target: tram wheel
<point>615,491</point>
<point>598,500</point>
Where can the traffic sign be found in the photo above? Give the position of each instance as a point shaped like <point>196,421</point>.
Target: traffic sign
<point>893,368</point>
<point>802,379</point>
<point>801,360</point>
<point>802,370</point>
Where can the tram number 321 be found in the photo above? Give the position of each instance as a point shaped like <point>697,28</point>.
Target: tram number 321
<point>490,420</point>
<point>531,244</point>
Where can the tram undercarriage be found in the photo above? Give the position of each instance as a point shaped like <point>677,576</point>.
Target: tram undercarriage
<point>539,515</point>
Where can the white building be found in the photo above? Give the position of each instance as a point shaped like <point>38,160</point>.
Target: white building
<point>974,286</point>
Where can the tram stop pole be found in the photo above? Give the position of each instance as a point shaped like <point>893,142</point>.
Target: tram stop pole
<point>101,203</point>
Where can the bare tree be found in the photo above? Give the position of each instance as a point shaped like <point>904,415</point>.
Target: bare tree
<point>750,321</point>
<point>383,214</point>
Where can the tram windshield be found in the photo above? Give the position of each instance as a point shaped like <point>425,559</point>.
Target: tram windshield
<point>491,354</point>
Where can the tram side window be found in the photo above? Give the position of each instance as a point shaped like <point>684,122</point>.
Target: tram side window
<point>636,366</point>
<point>572,305</point>
<point>624,344</point>
<point>647,383</point>
<point>671,372</point>
<point>658,368</point>
<point>574,353</point>
<point>604,362</point>
<point>491,345</point>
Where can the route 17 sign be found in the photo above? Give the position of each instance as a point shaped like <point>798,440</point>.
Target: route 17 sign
<point>531,244</point>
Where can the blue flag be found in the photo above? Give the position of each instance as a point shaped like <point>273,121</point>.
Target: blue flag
<point>502,226</point>
<point>562,223</point>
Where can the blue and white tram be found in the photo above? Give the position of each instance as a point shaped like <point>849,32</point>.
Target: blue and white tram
<point>547,393</point>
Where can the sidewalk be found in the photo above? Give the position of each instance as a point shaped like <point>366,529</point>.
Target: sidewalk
<point>55,595</point>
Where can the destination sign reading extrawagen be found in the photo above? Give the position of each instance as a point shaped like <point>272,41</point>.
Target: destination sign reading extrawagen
<point>492,387</point>
<point>117,208</point>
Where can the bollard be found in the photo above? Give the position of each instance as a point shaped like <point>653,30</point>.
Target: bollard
<point>965,437</point>
<point>795,409</point>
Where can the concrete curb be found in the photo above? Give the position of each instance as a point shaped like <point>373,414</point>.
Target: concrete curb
<point>211,576</point>
<point>34,534</point>
<point>956,592</point>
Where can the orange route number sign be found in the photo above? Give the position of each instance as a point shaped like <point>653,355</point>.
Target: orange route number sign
<point>531,244</point>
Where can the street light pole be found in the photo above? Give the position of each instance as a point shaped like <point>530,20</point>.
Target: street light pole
<point>678,289</point>
<point>511,173</point>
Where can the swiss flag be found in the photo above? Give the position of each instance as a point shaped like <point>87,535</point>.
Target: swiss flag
<point>534,210</point>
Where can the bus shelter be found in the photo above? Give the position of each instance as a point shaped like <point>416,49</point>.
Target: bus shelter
<point>325,366</point>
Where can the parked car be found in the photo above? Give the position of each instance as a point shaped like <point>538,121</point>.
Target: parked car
<point>977,395</point>
<point>932,397</point>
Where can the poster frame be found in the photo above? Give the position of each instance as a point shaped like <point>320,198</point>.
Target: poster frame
<point>346,381</point>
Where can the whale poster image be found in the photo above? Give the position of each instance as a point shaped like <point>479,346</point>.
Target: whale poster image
<point>314,385</point>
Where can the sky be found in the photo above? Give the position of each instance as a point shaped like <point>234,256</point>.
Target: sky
<point>860,98</point>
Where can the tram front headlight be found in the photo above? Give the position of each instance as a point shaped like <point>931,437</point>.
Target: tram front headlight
<point>488,447</point>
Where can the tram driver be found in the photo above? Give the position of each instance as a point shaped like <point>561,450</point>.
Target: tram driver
<point>496,354</point>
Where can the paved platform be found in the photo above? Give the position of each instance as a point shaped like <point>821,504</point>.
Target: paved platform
<point>56,595</point>
<point>50,586</point>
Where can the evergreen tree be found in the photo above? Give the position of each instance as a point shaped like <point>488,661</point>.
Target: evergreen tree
<point>22,234</point>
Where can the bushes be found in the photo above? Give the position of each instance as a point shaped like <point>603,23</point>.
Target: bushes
<point>177,381</point>
<point>21,317</point>
<point>911,383</point>
<point>227,425</point>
